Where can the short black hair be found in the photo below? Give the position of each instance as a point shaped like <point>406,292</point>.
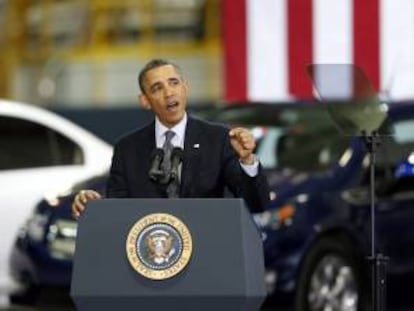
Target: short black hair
<point>152,64</point>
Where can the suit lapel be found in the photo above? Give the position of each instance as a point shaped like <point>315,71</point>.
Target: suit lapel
<point>150,132</point>
<point>191,160</point>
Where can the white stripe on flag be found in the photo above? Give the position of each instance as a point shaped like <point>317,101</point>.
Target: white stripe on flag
<point>397,48</point>
<point>267,46</point>
<point>332,29</point>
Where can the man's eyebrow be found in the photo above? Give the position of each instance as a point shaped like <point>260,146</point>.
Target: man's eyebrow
<point>174,79</point>
<point>159,83</point>
<point>155,84</point>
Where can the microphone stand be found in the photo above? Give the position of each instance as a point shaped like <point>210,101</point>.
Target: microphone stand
<point>173,176</point>
<point>378,261</point>
<point>168,179</point>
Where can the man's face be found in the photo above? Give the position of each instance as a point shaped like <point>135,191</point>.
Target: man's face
<point>166,94</point>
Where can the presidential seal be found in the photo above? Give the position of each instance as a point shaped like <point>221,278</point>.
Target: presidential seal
<point>159,246</point>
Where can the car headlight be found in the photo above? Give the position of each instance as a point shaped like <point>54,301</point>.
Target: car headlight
<point>62,238</point>
<point>36,227</point>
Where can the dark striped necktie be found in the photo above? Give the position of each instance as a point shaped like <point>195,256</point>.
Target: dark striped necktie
<point>167,147</point>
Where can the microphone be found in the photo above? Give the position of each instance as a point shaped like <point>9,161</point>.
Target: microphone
<point>177,155</point>
<point>155,173</point>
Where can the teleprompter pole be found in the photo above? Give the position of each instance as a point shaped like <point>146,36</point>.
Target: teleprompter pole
<point>378,261</point>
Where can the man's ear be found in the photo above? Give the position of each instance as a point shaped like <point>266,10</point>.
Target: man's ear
<point>145,103</point>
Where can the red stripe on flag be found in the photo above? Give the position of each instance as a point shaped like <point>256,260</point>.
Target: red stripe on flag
<point>299,47</point>
<point>235,49</point>
<point>366,39</point>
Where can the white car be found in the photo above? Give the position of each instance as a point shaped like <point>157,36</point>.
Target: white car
<point>41,155</point>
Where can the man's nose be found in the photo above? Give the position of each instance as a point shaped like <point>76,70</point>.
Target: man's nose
<point>168,91</point>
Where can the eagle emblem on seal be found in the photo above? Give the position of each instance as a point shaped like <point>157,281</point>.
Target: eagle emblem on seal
<point>160,246</point>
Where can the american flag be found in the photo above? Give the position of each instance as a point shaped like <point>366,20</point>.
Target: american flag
<point>269,43</point>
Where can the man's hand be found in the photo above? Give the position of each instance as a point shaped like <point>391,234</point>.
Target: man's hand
<point>80,200</point>
<point>244,143</point>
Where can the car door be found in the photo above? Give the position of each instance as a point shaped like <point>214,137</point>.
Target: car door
<point>396,207</point>
<point>396,227</point>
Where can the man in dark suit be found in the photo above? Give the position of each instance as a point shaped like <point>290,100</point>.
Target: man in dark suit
<point>214,158</point>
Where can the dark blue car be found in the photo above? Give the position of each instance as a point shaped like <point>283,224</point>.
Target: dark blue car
<point>41,259</point>
<point>316,231</point>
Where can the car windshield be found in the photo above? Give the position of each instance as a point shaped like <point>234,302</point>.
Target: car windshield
<point>299,137</point>
<point>305,138</point>
<point>299,148</point>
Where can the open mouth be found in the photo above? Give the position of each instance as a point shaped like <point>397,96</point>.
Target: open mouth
<point>173,105</point>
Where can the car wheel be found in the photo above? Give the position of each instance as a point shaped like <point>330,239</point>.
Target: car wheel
<point>27,298</point>
<point>27,295</point>
<point>331,278</point>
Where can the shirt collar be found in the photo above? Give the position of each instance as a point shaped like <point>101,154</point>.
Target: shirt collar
<point>178,129</point>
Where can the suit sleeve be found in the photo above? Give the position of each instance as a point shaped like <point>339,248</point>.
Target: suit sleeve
<point>254,190</point>
<point>117,186</point>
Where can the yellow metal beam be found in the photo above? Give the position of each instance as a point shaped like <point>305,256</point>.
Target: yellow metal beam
<point>99,43</point>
